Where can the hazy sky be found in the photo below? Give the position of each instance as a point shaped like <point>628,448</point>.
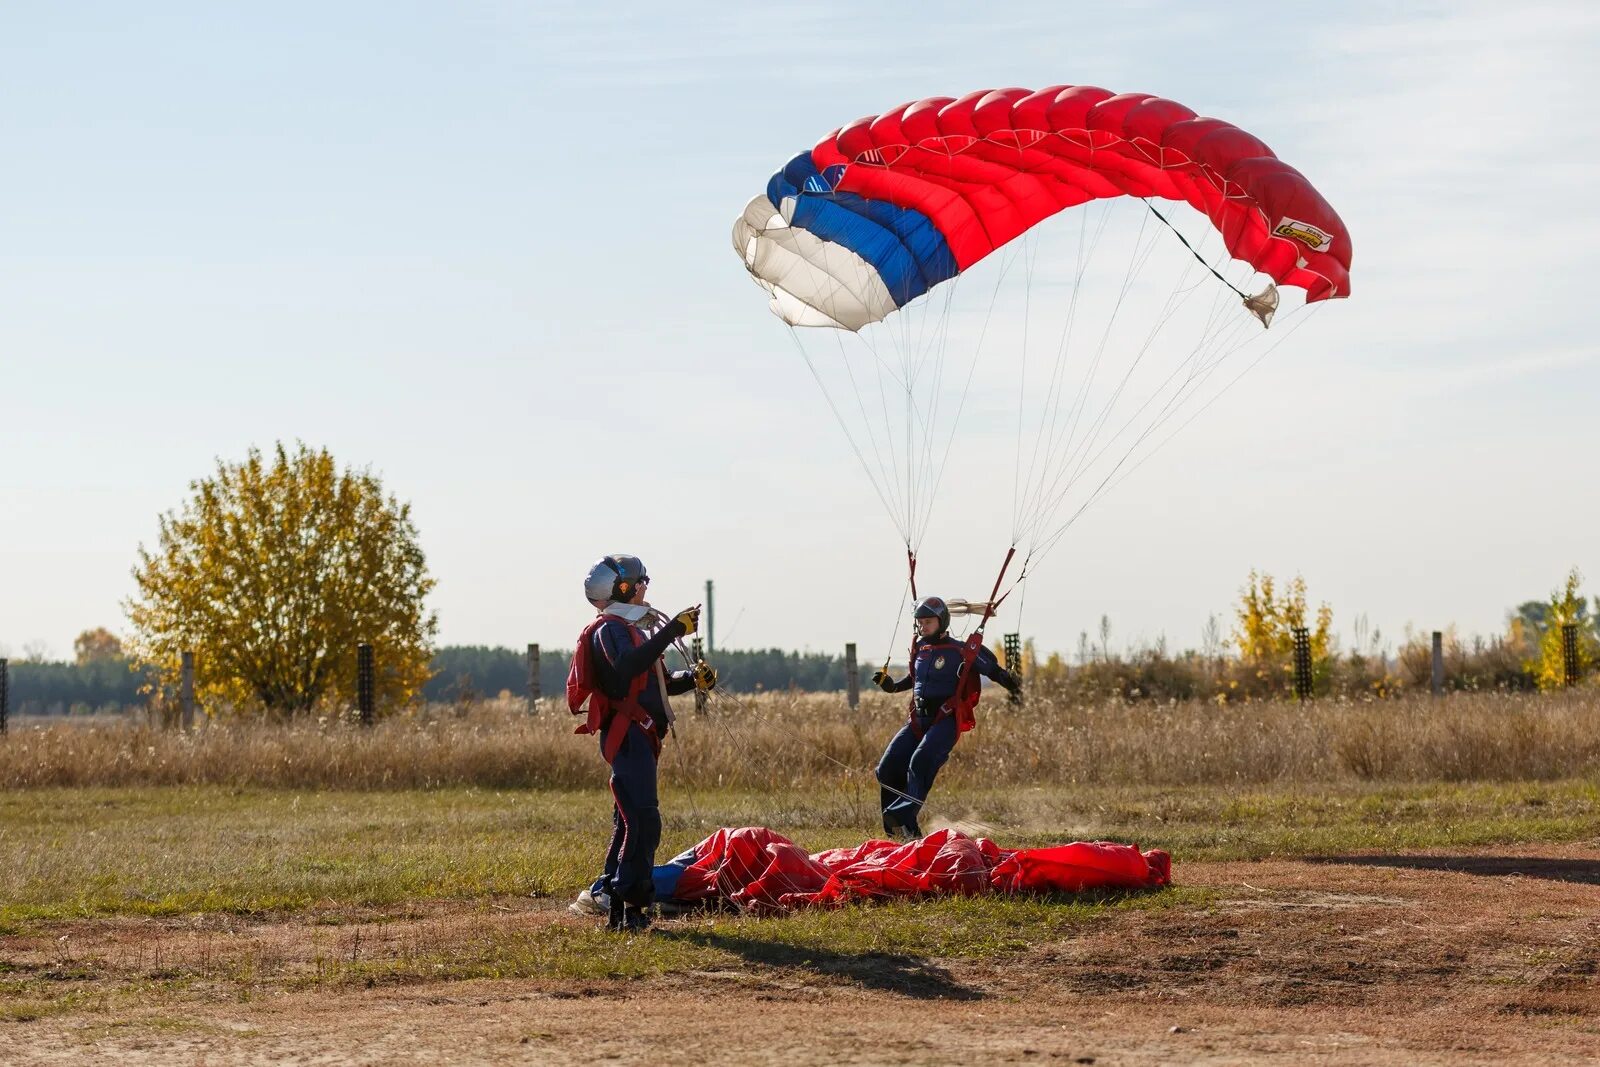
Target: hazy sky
<point>483,249</point>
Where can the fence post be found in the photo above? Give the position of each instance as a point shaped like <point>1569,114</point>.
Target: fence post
<point>1569,653</point>
<point>366,683</point>
<point>186,691</point>
<point>1438,663</point>
<point>1302,662</point>
<point>534,691</point>
<point>5,695</point>
<point>852,681</point>
<point>711,620</point>
<point>1013,646</point>
<point>697,649</point>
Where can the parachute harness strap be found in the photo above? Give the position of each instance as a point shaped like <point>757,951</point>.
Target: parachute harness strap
<point>994,603</point>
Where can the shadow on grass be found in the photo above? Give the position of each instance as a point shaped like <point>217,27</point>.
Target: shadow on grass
<point>1555,870</point>
<point>890,972</point>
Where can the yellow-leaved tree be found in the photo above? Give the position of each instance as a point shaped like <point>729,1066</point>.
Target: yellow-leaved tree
<point>272,573</point>
<point>1566,606</point>
<point>1264,628</point>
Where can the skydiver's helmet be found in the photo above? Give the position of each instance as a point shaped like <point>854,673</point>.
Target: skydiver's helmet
<point>931,607</point>
<point>614,579</point>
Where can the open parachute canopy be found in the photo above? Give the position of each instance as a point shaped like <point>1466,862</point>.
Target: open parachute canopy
<point>1109,241</point>
<point>888,207</point>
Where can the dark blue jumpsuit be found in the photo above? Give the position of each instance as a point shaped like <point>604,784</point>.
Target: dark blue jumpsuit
<point>636,821</point>
<point>915,754</point>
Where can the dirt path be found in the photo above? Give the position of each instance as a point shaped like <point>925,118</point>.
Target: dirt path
<point>1383,960</point>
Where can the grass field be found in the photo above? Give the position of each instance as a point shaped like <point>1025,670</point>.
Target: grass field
<point>184,917</point>
<point>813,743</point>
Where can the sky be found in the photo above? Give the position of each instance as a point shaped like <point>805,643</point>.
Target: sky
<point>483,250</point>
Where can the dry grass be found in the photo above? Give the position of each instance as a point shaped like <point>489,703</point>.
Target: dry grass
<point>783,740</point>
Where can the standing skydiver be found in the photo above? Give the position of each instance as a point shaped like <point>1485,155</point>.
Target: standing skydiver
<point>943,694</point>
<point>619,679</point>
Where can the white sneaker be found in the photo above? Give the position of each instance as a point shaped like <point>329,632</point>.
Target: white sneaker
<point>586,905</point>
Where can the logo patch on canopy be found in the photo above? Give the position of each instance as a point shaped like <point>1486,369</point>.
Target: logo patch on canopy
<point>1314,237</point>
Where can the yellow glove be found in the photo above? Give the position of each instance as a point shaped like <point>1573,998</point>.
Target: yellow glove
<point>690,618</point>
<point>705,676</point>
<point>880,678</point>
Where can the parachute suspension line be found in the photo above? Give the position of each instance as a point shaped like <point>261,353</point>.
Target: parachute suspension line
<point>1086,459</point>
<point>1199,367</point>
<point>1022,380</point>
<point>911,478</point>
<point>941,344</point>
<point>866,422</point>
<point>839,417</point>
<point>888,423</point>
<point>966,389</point>
<point>1081,403</point>
<point>911,588</point>
<point>747,712</point>
<point>1198,257</point>
<point>967,386</point>
<point>1300,320</point>
<point>1108,484</point>
<point>1083,456</point>
<point>1048,436</point>
<point>1050,487</point>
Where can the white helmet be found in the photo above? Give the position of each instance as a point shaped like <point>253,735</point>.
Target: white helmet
<point>614,578</point>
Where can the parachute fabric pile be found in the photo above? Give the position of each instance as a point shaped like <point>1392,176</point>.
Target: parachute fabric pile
<point>758,870</point>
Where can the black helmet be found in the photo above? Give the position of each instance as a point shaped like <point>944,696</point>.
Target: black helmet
<point>931,607</point>
<point>614,578</point>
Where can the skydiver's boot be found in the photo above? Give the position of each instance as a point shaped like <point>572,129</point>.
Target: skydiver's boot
<point>588,904</point>
<point>616,916</point>
<point>635,920</point>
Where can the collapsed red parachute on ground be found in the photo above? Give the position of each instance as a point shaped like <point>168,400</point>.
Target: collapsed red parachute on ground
<point>756,869</point>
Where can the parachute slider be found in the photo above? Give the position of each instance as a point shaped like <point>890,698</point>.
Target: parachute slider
<point>970,607</point>
<point>1263,304</point>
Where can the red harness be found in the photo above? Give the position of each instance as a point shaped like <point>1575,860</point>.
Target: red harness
<point>964,702</point>
<point>604,714</point>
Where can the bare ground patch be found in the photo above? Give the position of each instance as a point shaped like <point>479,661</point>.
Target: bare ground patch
<point>1384,959</point>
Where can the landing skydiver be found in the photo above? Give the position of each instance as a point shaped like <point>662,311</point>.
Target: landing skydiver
<point>942,697</point>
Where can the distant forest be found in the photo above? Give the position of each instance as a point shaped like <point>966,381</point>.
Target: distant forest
<point>465,671</point>
<point>460,672</point>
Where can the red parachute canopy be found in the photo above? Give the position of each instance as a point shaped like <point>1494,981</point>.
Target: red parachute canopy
<point>757,869</point>
<point>989,165</point>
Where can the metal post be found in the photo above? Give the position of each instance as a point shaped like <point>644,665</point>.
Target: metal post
<point>1013,647</point>
<point>1438,663</point>
<point>711,621</point>
<point>698,651</point>
<point>5,695</point>
<point>1302,662</point>
<point>534,692</point>
<point>186,691</point>
<point>1569,653</point>
<point>852,681</point>
<point>366,683</point>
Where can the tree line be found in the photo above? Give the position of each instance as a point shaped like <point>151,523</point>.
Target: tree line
<point>277,566</point>
<point>458,674</point>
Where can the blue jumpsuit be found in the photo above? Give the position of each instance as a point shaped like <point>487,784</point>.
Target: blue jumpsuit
<point>915,754</point>
<point>636,820</point>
